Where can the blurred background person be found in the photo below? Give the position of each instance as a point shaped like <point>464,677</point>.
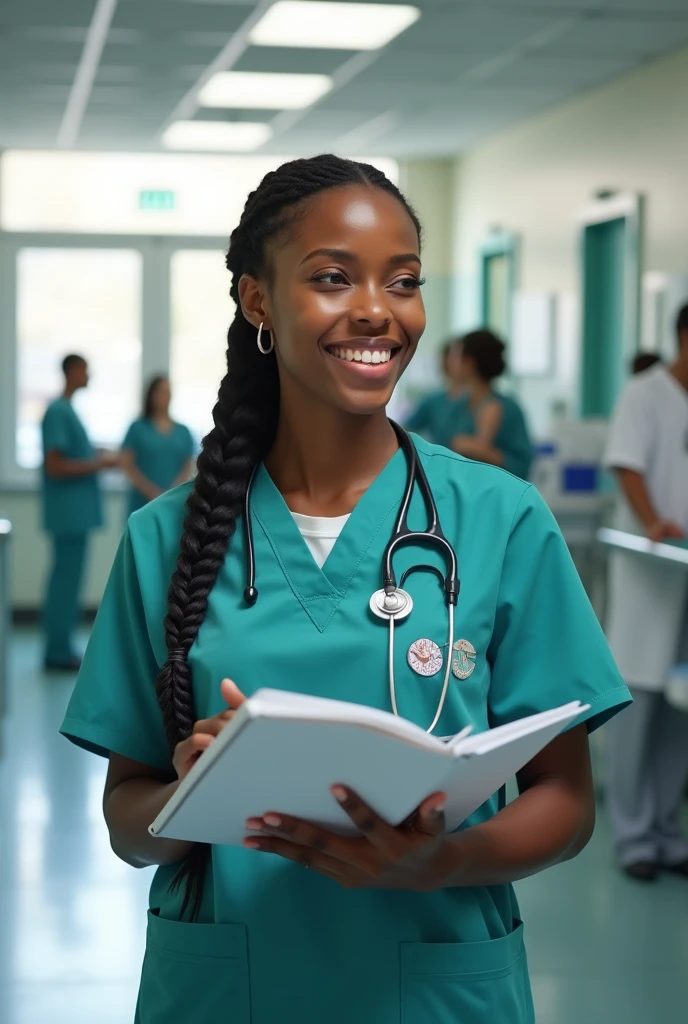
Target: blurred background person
<point>157,452</point>
<point>648,756</point>
<point>71,510</point>
<point>644,361</point>
<point>434,416</point>
<point>488,426</point>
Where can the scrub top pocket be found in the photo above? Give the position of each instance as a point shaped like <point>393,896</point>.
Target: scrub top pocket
<point>466,982</point>
<point>195,973</point>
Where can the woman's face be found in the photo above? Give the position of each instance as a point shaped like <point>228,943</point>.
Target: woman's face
<point>344,302</point>
<point>160,398</point>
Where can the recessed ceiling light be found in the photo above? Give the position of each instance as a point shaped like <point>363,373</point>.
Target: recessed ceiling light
<point>333,26</point>
<point>223,136</point>
<point>258,91</point>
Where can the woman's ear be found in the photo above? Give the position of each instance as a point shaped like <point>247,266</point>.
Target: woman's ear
<point>254,302</point>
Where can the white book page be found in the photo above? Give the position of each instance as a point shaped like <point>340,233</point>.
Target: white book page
<point>286,704</point>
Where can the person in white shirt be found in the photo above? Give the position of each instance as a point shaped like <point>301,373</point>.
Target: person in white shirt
<point>648,621</point>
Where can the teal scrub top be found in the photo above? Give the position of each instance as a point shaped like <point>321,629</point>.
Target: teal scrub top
<point>434,418</point>
<point>70,505</point>
<point>160,457</point>
<point>512,439</point>
<point>275,941</point>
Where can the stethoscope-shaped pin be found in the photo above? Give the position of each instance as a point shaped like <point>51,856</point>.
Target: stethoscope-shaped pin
<point>463,659</point>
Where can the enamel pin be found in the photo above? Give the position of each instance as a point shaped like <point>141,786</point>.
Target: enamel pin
<point>425,657</point>
<point>463,659</point>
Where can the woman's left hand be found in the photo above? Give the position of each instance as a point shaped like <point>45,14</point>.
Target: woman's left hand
<point>466,444</point>
<point>412,856</point>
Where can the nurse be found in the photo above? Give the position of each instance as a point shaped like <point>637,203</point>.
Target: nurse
<point>648,619</point>
<point>156,452</point>
<point>434,416</point>
<point>71,510</point>
<point>402,924</point>
<point>489,426</point>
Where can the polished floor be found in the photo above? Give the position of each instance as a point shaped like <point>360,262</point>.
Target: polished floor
<point>602,949</point>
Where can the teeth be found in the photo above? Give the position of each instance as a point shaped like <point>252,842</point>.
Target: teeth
<point>350,355</point>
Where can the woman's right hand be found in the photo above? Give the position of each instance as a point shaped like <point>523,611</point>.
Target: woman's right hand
<point>663,529</point>
<point>206,729</point>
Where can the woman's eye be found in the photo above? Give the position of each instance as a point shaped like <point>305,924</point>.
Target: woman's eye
<point>330,277</point>
<point>410,283</point>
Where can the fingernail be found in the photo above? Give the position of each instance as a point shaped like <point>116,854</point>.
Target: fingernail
<point>254,823</point>
<point>339,793</point>
<point>272,820</point>
<point>439,808</point>
<point>251,844</point>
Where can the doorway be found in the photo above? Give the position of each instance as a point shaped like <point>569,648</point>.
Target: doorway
<point>611,268</point>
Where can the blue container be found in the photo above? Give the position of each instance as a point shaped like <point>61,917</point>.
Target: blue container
<point>580,479</point>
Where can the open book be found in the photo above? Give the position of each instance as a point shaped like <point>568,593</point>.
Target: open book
<point>282,751</point>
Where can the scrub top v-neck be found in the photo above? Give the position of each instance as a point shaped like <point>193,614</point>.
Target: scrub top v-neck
<point>277,942</point>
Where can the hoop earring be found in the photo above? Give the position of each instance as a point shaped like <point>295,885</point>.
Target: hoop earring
<point>261,348</point>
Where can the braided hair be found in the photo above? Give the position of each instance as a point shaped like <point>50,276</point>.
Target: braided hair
<point>245,418</point>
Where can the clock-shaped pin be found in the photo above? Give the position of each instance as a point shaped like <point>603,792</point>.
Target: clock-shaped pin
<point>425,657</point>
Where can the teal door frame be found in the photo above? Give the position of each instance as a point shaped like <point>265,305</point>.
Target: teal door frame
<point>503,244</point>
<point>628,209</point>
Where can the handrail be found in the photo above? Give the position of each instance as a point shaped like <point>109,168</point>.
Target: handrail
<point>620,540</point>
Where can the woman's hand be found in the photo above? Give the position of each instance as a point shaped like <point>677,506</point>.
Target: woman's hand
<point>663,529</point>
<point>466,444</point>
<point>412,856</point>
<point>206,729</point>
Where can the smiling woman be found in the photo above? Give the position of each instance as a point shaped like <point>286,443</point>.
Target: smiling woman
<point>402,924</point>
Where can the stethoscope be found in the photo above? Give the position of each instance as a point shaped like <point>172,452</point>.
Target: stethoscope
<point>392,602</point>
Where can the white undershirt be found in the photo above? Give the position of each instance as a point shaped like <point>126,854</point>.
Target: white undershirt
<point>319,533</point>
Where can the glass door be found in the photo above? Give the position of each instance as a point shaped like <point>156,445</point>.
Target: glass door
<point>85,301</point>
<point>201,312</point>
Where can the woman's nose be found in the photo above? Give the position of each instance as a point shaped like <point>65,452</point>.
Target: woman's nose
<point>372,309</point>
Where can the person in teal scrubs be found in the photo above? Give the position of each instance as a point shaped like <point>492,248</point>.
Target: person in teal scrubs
<point>435,415</point>
<point>71,510</point>
<point>487,425</point>
<point>156,452</point>
<point>300,925</point>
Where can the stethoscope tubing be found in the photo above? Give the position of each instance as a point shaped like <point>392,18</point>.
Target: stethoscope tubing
<point>402,535</point>
<point>447,671</point>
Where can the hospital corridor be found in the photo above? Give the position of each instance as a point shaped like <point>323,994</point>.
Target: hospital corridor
<point>343,512</point>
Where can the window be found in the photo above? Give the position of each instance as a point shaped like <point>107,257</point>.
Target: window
<point>86,301</point>
<point>201,314</point>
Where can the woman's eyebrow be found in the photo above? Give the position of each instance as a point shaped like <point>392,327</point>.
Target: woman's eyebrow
<point>344,254</point>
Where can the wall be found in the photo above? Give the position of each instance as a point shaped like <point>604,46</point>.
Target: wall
<point>31,555</point>
<point>534,180</point>
<point>429,187</point>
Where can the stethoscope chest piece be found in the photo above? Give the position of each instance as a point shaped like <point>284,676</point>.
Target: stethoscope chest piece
<point>396,605</point>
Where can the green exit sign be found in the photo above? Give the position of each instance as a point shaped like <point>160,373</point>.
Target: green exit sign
<point>156,199</point>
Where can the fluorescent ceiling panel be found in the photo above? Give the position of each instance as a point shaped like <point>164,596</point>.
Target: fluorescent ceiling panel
<point>334,26</point>
<point>222,136</point>
<point>263,91</point>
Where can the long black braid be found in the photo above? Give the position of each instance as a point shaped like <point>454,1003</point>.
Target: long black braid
<point>245,418</point>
